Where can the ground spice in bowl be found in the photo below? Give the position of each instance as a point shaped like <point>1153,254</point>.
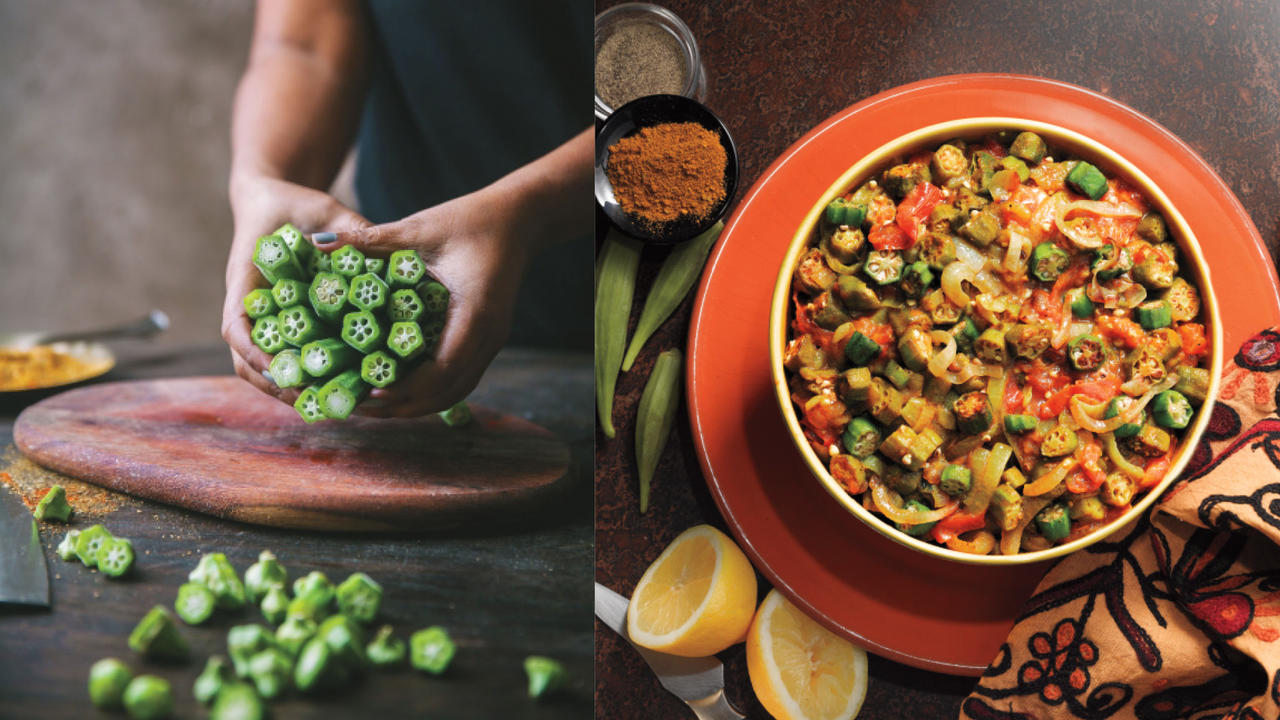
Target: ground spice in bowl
<point>668,171</point>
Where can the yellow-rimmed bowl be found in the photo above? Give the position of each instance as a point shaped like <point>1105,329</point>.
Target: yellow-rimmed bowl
<point>1192,265</point>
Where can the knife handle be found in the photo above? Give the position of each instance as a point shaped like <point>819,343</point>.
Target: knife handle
<point>716,707</point>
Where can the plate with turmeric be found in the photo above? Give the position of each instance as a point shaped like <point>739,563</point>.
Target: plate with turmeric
<point>46,366</point>
<point>666,168</point>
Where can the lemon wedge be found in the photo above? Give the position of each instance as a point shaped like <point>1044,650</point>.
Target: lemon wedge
<point>696,599</point>
<point>799,670</point>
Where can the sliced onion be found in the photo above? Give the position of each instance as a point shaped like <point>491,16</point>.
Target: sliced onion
<point>1121,462</point>
<point>1018,243</point>
<point>981,544</point>
<point>954,276</point>
<point>1080,409</point>
<point>1063,332</point>
<point>987,282</point>
<point>942,358</point>
<point>970,255</point>
<point>1011,540</point>
<point>1090,207</point>
<point>887,500</point>
<point>1123,293</point>
<point>1049,480</point>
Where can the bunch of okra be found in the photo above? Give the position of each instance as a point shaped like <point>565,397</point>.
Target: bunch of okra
<point>337,324</point>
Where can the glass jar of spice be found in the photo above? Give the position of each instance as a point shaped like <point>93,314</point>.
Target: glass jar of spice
<point>643,49</point>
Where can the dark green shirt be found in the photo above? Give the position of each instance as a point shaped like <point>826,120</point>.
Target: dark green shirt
<point>462,93</point>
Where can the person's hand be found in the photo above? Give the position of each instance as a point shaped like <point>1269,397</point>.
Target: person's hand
<point>476,247</point>
<point>260,205</point>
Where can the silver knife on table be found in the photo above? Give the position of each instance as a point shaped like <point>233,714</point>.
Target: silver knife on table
<point>24,579</point>
<point>697,681</point>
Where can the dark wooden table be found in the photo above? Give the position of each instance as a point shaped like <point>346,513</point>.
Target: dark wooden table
<point>504,593</point>
<point>1207,71</point>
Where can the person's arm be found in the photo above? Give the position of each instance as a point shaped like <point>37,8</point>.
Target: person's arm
<point>294,118</point>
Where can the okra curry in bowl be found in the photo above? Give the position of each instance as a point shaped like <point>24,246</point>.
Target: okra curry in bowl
<point>995,341</point>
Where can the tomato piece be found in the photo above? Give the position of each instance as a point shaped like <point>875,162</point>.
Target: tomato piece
<point>956,523</point>
<point>889,237</point>
<point>1090,476</point>
<point>1100,390</point>
<point>1194,341</point>
<point>1156,469</point>
<point>915,209</point>
<point>1012,396</point>
<point>1122,329</point>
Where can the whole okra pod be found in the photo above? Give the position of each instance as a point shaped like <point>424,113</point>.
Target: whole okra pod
<point>657,412</point>
<point>678,273</point>
<point>615,287</point>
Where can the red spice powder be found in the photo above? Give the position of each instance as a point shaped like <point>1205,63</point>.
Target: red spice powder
<point>668,171</point>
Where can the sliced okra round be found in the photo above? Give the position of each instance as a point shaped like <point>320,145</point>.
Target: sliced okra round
<point>545,674</point>
<point>328,295</point>
<point>260,302</point>
<point>245,641</point>
<point>293,633</point>
<point>323,358</point>
<point>385,650</point>
<point>359,597</point>
<point>115,557</point>
<point>338,397</point>
<point>299,325</point>
<point>431,650</point>
<point>405,340</point>
<point>308,405</point>
<point>405,268</point>
<point>405,305</point>
<point>148,697</point>
<point>271,671</point>
<point>378,368</point>
<point>263,575</point>
<point>347,261</point>
<point>195,603</point>
<point>267,336</point>
<point>362,331</point>
<point>288,292</point>
<point>345,640</point>
<point>368,291</point>
<point>67,548</point>
<point>458,415</point>
<point>157,636</point>
<point>286,369</point>
<point>435,297</point>
<point>108,679</point>
<point>89,542</point>
<point>215,572</point>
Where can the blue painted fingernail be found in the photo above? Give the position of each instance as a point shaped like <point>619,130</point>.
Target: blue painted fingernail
<point>267,375</point>
<point>324,238</point>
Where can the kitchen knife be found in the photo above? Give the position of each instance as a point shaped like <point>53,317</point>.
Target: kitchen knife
<point>24,580</point>
<point>697,681</point>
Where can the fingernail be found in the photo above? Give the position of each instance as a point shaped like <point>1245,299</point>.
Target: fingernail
<point>267,375</point>
<point>324,238</point>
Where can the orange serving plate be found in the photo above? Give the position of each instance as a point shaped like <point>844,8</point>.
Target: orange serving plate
<point>901,604</point>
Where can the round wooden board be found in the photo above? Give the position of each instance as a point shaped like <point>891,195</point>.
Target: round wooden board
<point>216,445</point>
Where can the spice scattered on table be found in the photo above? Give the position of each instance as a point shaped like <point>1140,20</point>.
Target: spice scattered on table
<point>31,482</point>
<point>667,172</point>
<point>639,59</point>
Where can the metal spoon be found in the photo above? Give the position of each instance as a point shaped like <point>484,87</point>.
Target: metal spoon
<point>152,323</point>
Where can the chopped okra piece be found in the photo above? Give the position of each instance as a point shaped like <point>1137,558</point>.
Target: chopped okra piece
<point>897,446</point>
<point>1028,146</point>
<point>1018,424</point>
<point>271,671</point>
<point>362,331</point>
<point>432,331</point>
<point>1054,522</point>
<point>434,295</point>
<point>955,480</point>
<point>990,346</point>
<point>378,369</point>
<point>1085,352</point>
<point>275,605</point>
<point>339,397</point>
<point>915,348</point>
<point>368,291</point>
<point>108,679</point>
<point>1006,507</point>
<point>288,292</point>
<point>318,263</point>
<point>316,667</point>
<point>215,572</point>
<point>1170,409</point>
<point>115,557</point>
<point>1088,508</point>
<point>211,680</point>
<point>297,242</point>
<point>345,640</point>
<point>313,581</point>
<point>404,339</point>
<point>981,228</point>
<point>67,548</point>
<point>1154,314</point>
<point>359,597</point>
<point>1193,383</point>
<point>311,605</point>
<point>1029,340</point>
<point>854,387</point>
<point>245,641</point>
<point>1048,261</point>
<point>148,697</point>
<point>861,349</point>
<point>1087,180</point>
<point>328,295</point>
<point>973,413</point>
<point>1117,490</point>
<point>263,575</point>
<point>1152,227</point>
<point>324,358</point>
<point>405,305</point>
<point>918,529</point>
<point>948,162</point>
<point>308,405</point>
<point>405,268</point>
<point>53,506</point>
<point>916,279</point>
<point>157,636</point>
<point>843,212</point>
<point>883,266</point>
<point>299,325</point>
<point>267,336</point>
<point>347,261</point>
<point>431,650</point>
<point>855,294</point>
<point>275,260</point>
<point>827,313</point>
<point>1116,406</point>
<point>1059,441</point>
<point>286,369</point>
<point>926,442</point>
<point>237,701</point>
<point>377,266</point>
<point>1081,305</point>
<point>1155,271</point>
<point>885,402</point>
<point>457,415</point>
<point>861,437</point>
<point>1183,300</point>
<point>260,302</point>
<point>195,603</point>
<point>545,675</point>
<point>293,633</point>
<point>385,650</point>
<point>89,542</point>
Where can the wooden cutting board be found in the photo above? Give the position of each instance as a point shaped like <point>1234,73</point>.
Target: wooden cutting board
<point>218,446</point>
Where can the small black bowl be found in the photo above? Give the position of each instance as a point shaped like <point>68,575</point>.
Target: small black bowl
<point>645,112</point>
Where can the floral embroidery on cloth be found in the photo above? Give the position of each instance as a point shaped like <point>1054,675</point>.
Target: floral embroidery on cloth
<point>1176,616</point>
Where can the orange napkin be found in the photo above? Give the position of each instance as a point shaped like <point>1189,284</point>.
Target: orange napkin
<point>1178,614</point>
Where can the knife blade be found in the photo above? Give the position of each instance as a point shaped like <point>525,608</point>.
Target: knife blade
<point>24,579</point>
<point>699,682</point>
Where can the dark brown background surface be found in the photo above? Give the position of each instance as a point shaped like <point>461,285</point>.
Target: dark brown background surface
<point>1207,71</point>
